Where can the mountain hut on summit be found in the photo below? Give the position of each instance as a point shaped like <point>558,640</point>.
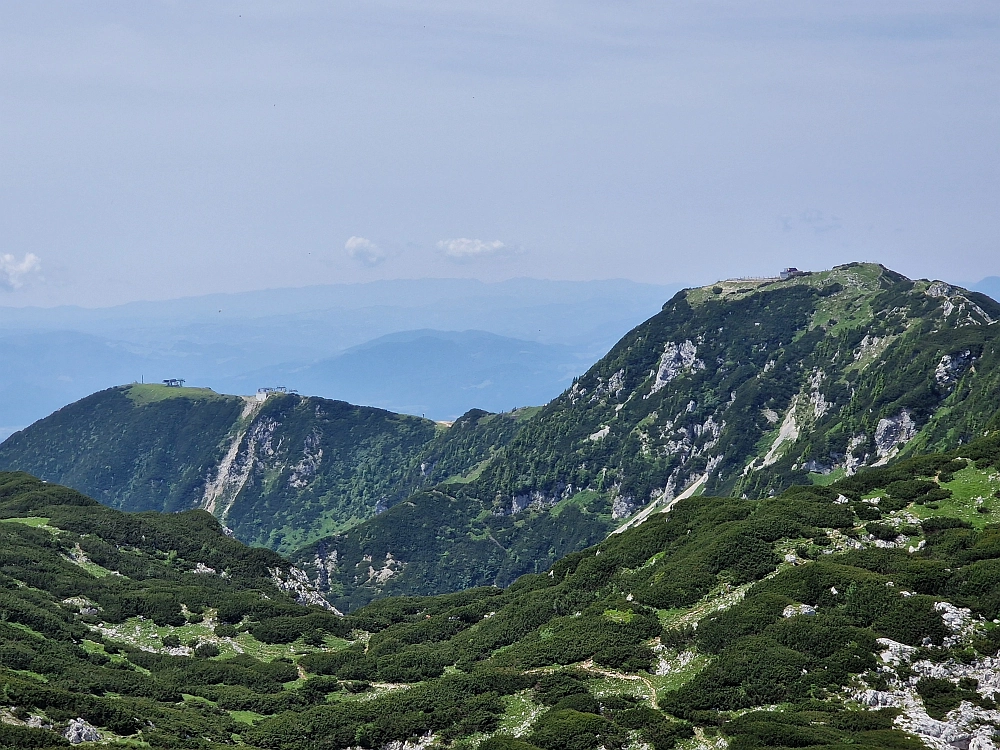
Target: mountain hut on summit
<point>789,273</point>
<point>174,382</point>
<point>263,393</point>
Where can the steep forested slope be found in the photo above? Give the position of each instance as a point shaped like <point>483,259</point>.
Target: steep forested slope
<point>280,473</point>
<point>137,448</point>
<point>749,386</point>
<point>741,388</point>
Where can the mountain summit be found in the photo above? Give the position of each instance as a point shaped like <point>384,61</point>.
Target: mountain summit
<point>740,388</point>
<point>750,384</point>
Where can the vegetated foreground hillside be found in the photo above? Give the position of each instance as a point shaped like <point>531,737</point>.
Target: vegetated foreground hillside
<point>856,615</point>
<point>279,473</point>
<point>742,388</point>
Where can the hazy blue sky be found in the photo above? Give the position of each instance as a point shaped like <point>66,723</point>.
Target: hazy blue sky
<point>158,149</point>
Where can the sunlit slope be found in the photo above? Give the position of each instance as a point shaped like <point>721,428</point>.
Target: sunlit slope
<point>751,385</point>
<point>855,615</point>
<point>278,473</point>
<point>740,388</point>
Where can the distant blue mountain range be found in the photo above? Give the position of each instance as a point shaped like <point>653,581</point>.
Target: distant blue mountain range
<point>436,373</point>
<point>429,346</point>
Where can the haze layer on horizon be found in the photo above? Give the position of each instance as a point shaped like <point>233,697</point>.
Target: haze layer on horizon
<point>163,149</point>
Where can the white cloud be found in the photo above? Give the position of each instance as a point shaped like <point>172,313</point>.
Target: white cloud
<point>465,249</point>
<point>364,251</point>
<point>14,271</point>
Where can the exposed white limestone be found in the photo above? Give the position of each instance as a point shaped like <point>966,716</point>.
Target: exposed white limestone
<point>969,313</point>
<point>600,434</point>
<point>893,433</point>
<point>867,345</point>
<point>235,467</point>
<point>622,506</point>
<point>676,360</point>
<point>419,743</point>
<point>81,731</point>
<point>669,662</point>
<point>817,400</point>
<point>951,367</point>
<point>312,456</point>
<point>296,582</point>
<point>794,610</point>
<point>612,387</point>
<point>390,567</point>
<point>788,433</point>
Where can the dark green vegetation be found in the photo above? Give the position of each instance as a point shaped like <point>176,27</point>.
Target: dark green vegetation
<point>79,582</point>
<point>740,389</point>
<point>702,388</point>
<point>130,447</point>
<point>744,391</point>
<point>753,620</point>
<point>279,473</point>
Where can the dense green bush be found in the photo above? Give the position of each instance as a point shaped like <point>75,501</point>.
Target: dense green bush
<point>572,730</point>
<point>22,738</point>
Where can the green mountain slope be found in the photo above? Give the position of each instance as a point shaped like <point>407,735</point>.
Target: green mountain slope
<point>741,388</point>
<point>859,615</point>
<point>139,448</point>
<point>279,473</point>
<point>111,624</point>
<point>748,386</point>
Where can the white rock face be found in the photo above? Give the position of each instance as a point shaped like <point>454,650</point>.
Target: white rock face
<point>868,344</point>
<point>787,433</point>
<point>600,434</point>
<point>622,506</point>
<point>852,461</point>
<point>958,620</point>
<point>951,299</point>
<point>817,400</point>
<point>613,387</point>
<point>81,731</point>
<point>297,582</point>
<point>951,367</point>
<point>876,699</point>
<point>418,744</point>
<point>967,726</point>
<point>234,469</point>
<point>312,456</point>
<point>793,610</point>
<point>895,653</point>
<point>893,433</point>
<point>325,566</point>
<point>676,663</point>
<point>389,568</point>
<point>676,360</point>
